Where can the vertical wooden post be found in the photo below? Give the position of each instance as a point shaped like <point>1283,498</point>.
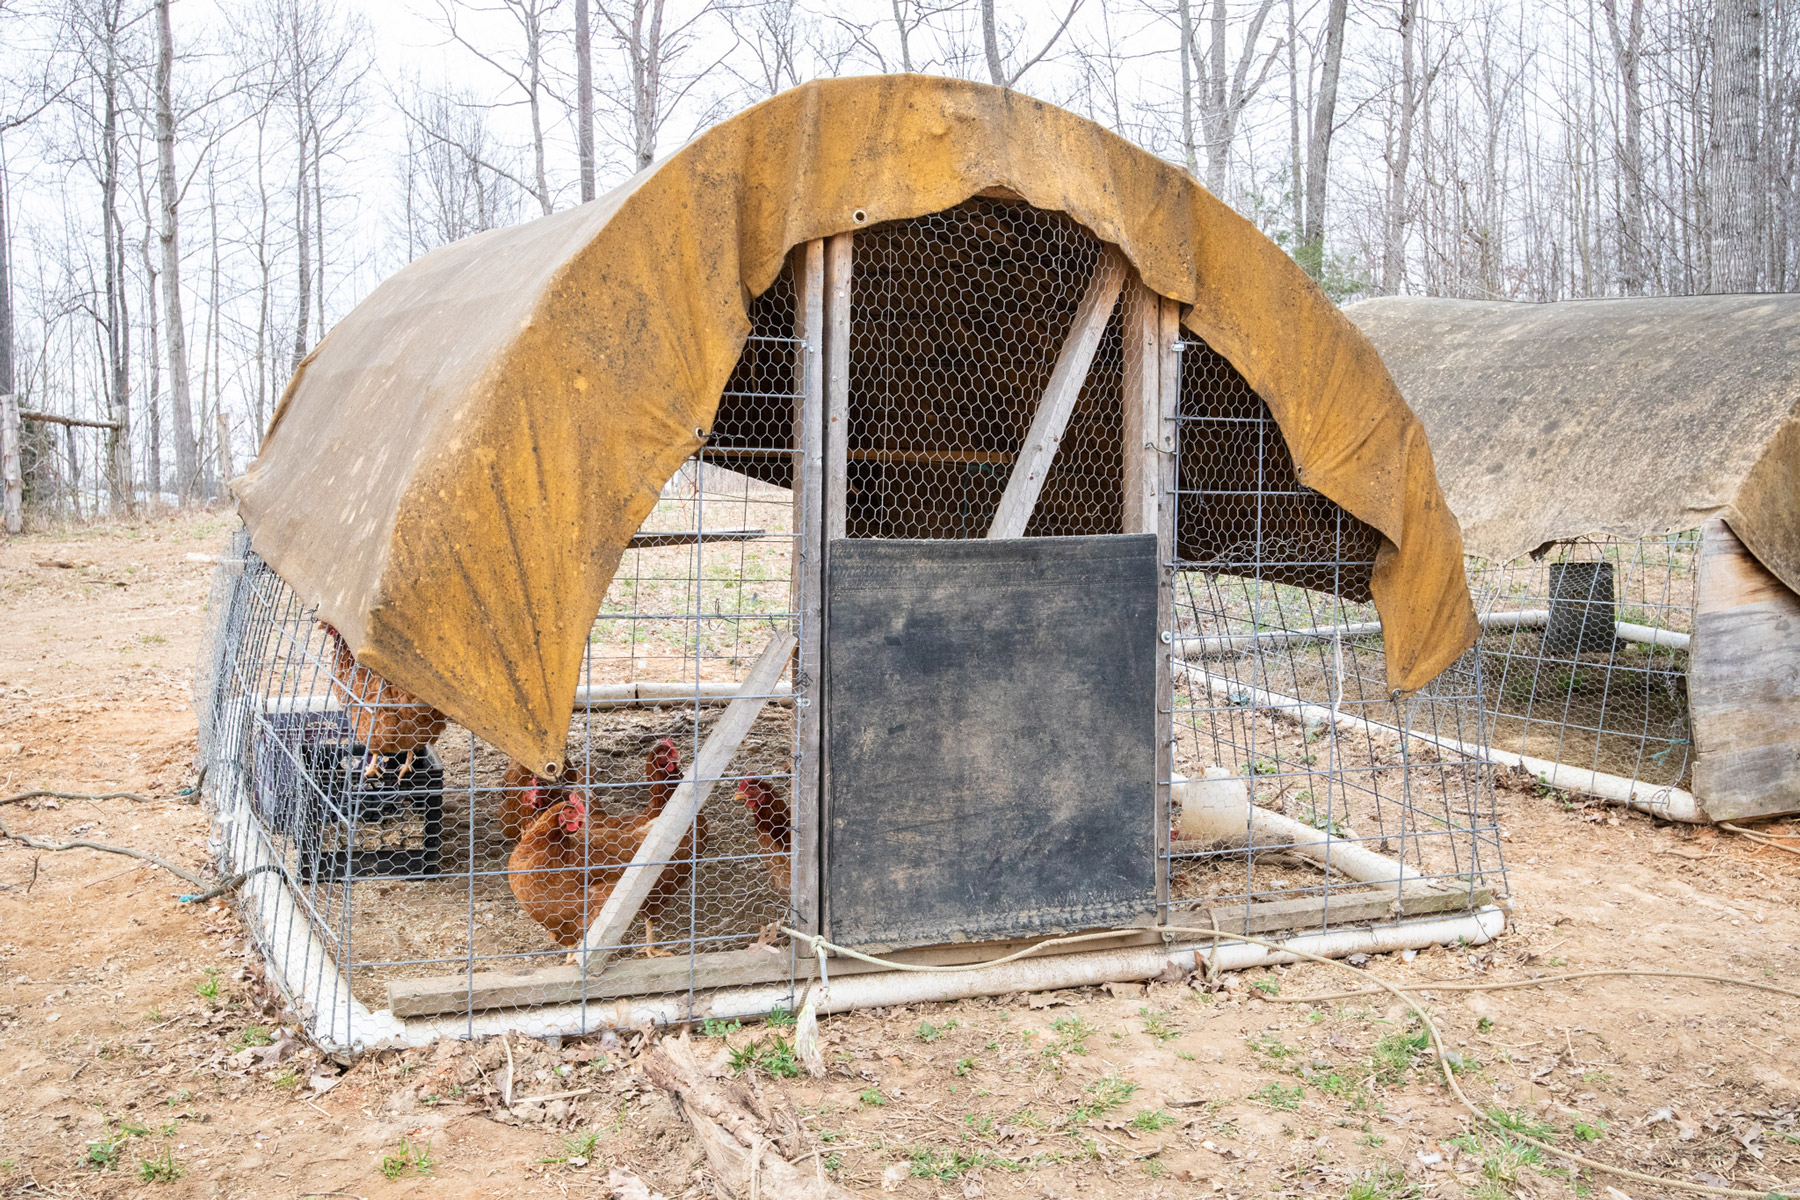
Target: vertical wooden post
<point>809,576</point>
<point>839,260</point>
<point>1158,458</point>
<point>12,481</point>
<point>838,255</point>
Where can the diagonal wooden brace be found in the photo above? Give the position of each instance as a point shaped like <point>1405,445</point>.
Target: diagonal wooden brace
<point>1053,411</point>
<point>667,831</point>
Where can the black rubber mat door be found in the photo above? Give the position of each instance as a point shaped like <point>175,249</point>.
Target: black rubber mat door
<point>990,727</point>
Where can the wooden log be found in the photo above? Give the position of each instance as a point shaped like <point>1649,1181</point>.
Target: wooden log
<point>666,833</point>
<point>1743,684</point>
<point>809,584</point>
<point>1060,394</point>
<point>745,1152</point>
<point>839,261</point>
<point>12,480</point>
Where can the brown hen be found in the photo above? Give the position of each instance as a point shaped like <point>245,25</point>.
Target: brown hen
<point>385,719</point>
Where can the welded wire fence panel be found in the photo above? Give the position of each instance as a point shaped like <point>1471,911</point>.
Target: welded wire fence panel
<point>1585,649</point>
<point>1280,690</point>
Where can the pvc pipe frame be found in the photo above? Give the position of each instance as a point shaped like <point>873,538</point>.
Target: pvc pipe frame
<point>1669,803</point>
<point>1531,618</point>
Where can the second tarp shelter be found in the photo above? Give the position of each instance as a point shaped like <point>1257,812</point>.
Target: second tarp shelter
<point>1627,477</point>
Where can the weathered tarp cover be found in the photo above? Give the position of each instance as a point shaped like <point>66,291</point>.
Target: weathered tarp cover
<point>1633,417</point>
<point>454,472</point>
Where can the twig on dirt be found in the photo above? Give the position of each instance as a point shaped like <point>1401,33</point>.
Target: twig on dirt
<point>229,884</point>
<point>1760,838</point>
<point>1535,981</point>
<point>506,1088</point>
<point>113,876</point>
<point>555,1096</point>
<point>35,793</point>
<point>26,839</point>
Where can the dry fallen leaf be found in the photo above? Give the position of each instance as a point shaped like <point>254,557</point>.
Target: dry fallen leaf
<point>626,1185</point>
<point>893,1176</point>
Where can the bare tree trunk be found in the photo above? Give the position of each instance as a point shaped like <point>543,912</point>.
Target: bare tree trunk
<point>1627,46</point>
<point>990,42</point>
<point>118,331</point>
<point>153,464</point>
<point>303,268</point>
<point>1393,251</point>
<point>187,469</point>
<point>1295,194</point>
<point>7,383</point>
<point>1188,146</point>
<point>1733,190</point>
<point>584,99</point>
<point>906,62</point>
<point>1318,149</point>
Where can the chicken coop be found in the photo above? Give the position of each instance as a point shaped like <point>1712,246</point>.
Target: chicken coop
<point>1626,473</point>
<point>908,522</point>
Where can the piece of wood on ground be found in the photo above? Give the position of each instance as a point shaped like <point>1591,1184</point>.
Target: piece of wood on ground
<point>666,833</point>
<point>744,1151</point>
<point>1743,683</point>
<point>1053,411</point>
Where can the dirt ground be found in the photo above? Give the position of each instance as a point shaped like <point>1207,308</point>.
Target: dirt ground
<point>139,1054</point>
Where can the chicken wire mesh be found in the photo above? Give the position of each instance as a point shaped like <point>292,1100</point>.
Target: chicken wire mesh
<point>1283,721</point>
<point>415,861</point>
<point>1585,648</point>
<point>402,867</point>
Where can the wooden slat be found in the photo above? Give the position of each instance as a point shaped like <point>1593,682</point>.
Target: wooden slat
<point>663,841</point>
<point>1060,394</point>
<point>484,990</point>
<point>1154,448</point>
<point>839,256</point>
<point>1142,408</point>
<point>809,560</point>
<point>840,262</point>
<point>1743,684</point>
<point>642,540</point>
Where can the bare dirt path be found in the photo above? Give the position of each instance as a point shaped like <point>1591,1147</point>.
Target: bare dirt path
<point>139,1054</point>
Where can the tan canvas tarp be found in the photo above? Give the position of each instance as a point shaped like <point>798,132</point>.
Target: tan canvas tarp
<point>454,472</point>
<point>1631,417</point>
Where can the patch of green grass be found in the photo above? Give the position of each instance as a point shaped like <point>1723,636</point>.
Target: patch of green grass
<point>833,1162</point>
<point>1071,1035</point>
<point>773,1054</point>
<point>1586,1131</point>
<point>1323,821</point>
<point>1521,1123</point>
<point>1104,1095</point>
<point>1383,1183</point>
<point>103,1155</point>
<point>872,1098</point>
<point>964,1065</point>
<point>153,1017</point>
<point>1268,987</point>
<point>1279,1098</point>
<point>579,1146</point>
<point>931,1163</point>
<point>411,1160</point>
<point>781,1018</point>
<point>1158,1026</point>
<point>719,1029</point>
<point>255,1035</point>
<point>1152,1120</point>
<point>208,988</point>
<point>1485,1025</point>
<point>1395,1054</point>
<point>287,1079</point>
<point>1371,1140</point>
<point>161,1169</point>
<point>1271,1046</point>
<point>927,1032</point>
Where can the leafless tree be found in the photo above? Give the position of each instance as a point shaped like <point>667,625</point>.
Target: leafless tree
<point>1734,157</point>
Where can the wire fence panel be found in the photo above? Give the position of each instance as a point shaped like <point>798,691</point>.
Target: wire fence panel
<point>1284,721</point>
<point>1585,646</point>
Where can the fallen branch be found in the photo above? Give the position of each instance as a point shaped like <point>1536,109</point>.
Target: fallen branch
<point>25,839</point>
<point>1760,838</point>
<point>742,1152</point>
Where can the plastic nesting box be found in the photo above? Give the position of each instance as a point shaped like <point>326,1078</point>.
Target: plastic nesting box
<point>311,787</point>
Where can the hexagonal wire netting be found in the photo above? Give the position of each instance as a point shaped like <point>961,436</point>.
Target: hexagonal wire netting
<point>399,851</point>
